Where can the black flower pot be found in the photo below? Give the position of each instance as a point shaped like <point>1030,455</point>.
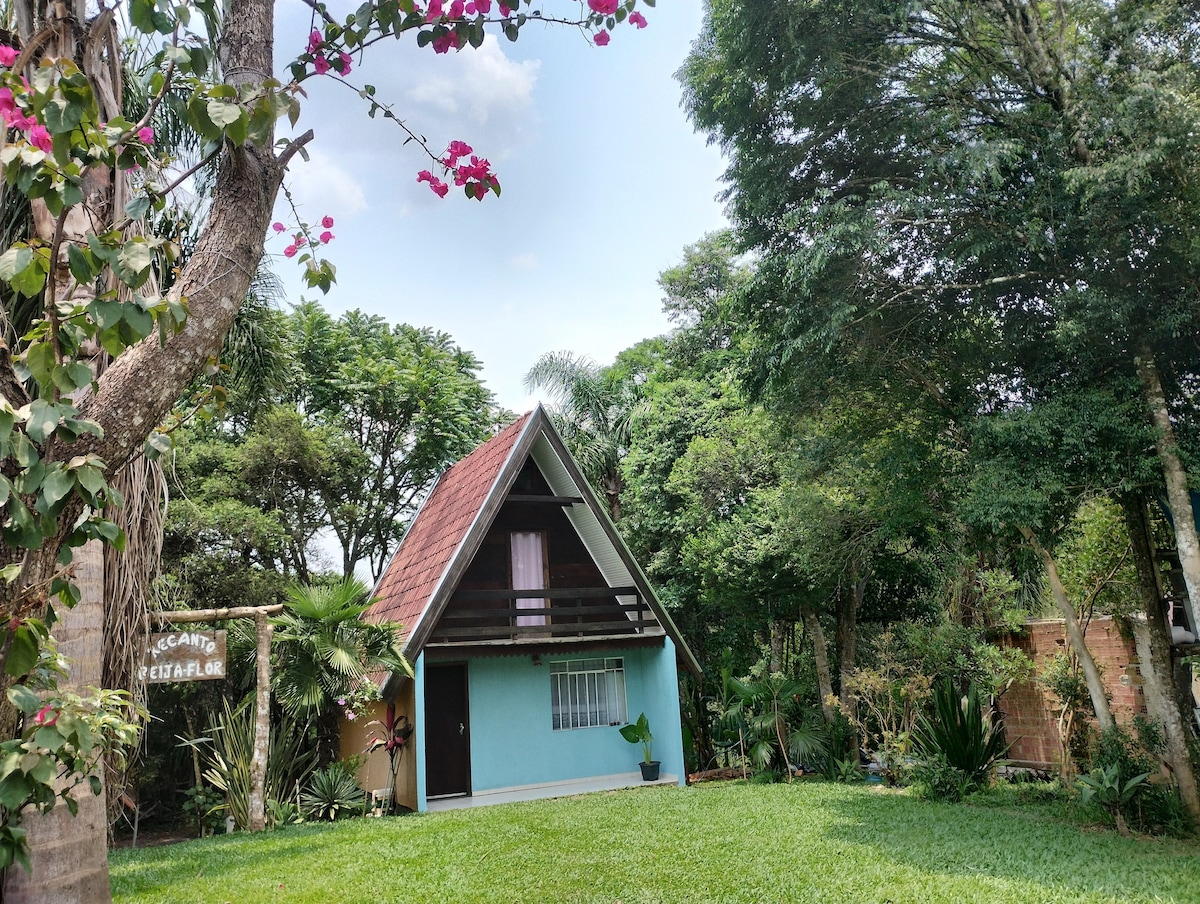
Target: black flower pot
<point>650,771</point>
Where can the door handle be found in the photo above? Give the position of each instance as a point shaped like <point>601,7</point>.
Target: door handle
<point>461,728</point>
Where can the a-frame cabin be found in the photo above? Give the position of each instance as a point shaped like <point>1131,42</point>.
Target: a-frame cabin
<point>532,633</point>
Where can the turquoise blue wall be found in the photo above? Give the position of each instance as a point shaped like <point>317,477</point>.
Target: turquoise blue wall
<point>419,724</point>
<point>512,742</point>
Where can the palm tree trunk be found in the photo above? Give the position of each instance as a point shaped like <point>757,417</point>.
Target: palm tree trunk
<point>69,859</point>
<point>1091,673</point>
<point>262,724</point>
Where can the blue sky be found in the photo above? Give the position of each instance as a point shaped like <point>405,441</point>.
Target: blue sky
<point>604,183</point>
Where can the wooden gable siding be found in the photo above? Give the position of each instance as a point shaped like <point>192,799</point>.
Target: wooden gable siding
<point>569,567</point>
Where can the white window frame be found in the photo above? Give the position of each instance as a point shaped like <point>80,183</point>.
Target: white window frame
<point>587,693</point>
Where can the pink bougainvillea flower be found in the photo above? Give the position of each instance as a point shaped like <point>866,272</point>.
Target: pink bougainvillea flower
<point>315,40</point>
<point>424,176</point>
<point>301,241</point>
<point>445,42</point>
<point>8,55</point>
<point>636,18</point>
<point>327,222</point>
<point>289,251</point>
<point>345,60</point>
<point>603,7</point>
<point>320,65</point>
<point>39,137</point>
<point>483,7</point>
<point>8,106</point>
<point>45,716</point>
<point>454,150</point>
<point>278,227</point>
<point>439,187</point>
<point>145,135</point>
<point>457,8</point>
<point>326,237</point>
<point>505,10</point>
<point>601,38</point>
<point>434,12</point>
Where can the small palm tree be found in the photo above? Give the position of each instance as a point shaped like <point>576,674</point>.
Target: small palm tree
<point>760,715</point>
<point>591,410</point>
<point>324,650</point>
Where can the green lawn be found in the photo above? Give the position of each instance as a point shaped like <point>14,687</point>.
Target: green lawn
<point>713,843</point>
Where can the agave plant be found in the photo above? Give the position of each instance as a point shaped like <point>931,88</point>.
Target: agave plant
<point>332,792</point>
<point>961,733</point>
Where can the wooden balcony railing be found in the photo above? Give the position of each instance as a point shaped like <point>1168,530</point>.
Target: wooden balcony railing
<point>574,612</point>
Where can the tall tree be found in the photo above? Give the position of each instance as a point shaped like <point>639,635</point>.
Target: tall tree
<point>920,175</point>
<point>398,404</point>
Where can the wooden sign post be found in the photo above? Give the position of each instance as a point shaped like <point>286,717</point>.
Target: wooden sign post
<point>262,697</point>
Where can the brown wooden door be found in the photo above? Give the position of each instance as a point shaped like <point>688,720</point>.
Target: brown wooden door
<point>447,731</point>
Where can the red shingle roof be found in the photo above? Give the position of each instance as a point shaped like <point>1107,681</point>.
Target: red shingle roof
<point>428,547</point>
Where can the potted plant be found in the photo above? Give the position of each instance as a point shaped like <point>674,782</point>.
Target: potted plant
<point>639,733</point>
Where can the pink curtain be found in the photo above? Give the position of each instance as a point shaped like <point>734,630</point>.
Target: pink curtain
<point>528,573</point>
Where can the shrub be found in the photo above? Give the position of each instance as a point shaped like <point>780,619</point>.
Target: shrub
<point>332,792</point>
<point>959,733</point>
<point>933,778</point>
<point>1150,807</point>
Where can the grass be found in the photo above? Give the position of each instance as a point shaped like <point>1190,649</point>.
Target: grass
<point>806,842</point>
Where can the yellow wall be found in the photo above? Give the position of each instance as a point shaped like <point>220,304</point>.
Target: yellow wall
<point>373,773</point>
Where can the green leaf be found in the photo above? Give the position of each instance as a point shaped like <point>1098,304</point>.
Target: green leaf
<point>83,266</point>
<point>10,573</point>
<point>91,478</point>
<point>14,791</point>
<point>24,699</point>
<point>222,113</point>
<point>43,418</point>
<point>137,207</point>
<point>14,260</point>
<point>237,130</point>
<point>140,320</point>
<point>39,361</point>
<point>22,655</point>
<point>55,487</point>
<point>61,116</point>
<point>136,257</point>
<point>141,15</point>
<point>199,119</point>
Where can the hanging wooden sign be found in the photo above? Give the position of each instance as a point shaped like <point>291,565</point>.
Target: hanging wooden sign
<point>184,656</point>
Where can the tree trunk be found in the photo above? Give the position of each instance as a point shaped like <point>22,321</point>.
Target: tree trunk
<point>262,725</point>
<point>1179,497</point>
<point>1154,652</point>
<point>1091,673</point>
<point>847,636</point>
<point>775,629</point>
<point>69,854</point>
<point>821,655</point>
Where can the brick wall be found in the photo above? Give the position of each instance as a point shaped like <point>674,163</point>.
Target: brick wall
<point>1031,710</point>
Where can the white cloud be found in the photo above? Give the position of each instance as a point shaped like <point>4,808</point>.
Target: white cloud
<point>481,85</point>
<point>320,185</point>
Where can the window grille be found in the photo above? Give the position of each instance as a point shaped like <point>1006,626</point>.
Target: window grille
<point>585,693</point>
